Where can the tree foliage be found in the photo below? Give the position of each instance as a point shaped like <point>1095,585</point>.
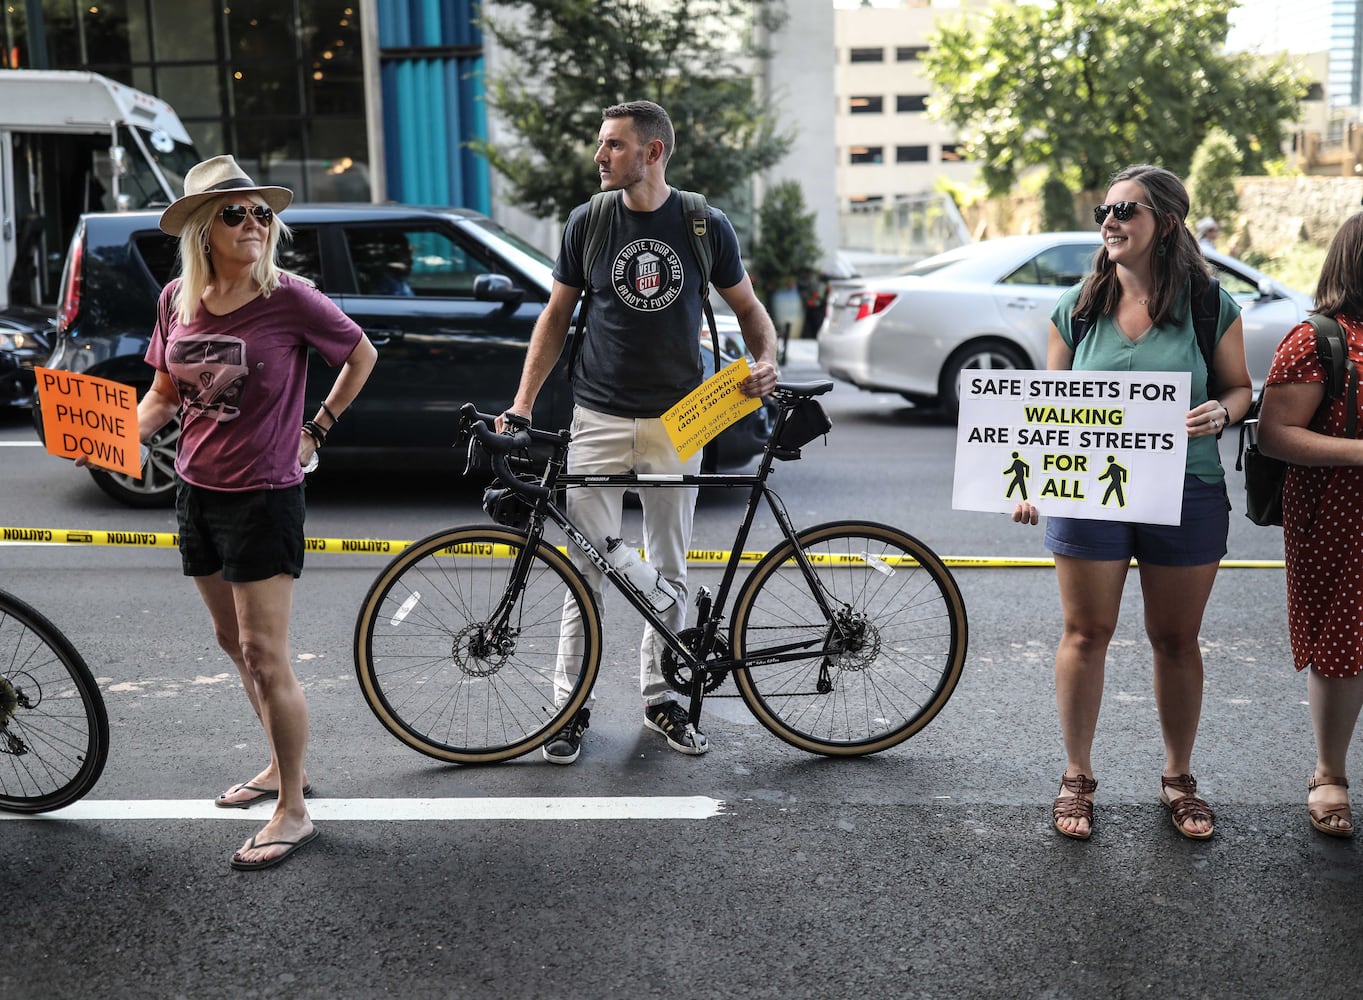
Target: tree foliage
<point>1211,178</point>
<point>1091,86</point>
<point>569,59</point>
<point>787,248</point>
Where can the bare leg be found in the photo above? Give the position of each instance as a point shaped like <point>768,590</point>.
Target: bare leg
<point>1090,600</point>
<point>222,608</point>
<point>1175,598</point>
<point>1335,704</point>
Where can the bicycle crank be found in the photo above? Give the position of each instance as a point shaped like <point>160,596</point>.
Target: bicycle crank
<point>678,675</point>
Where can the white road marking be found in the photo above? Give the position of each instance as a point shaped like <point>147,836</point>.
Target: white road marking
<point>614,807</point>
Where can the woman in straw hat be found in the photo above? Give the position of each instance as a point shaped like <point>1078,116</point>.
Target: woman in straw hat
<point>230,351</point>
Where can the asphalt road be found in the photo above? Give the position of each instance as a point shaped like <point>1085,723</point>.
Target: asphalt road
<point>926,871</point>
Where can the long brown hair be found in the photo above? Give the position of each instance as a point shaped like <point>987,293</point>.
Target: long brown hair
<point>1339,289</point>
<point>1169,271</point>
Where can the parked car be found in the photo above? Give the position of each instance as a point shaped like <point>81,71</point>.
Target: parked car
<point>988,305</point>
<point>25,340</point>
<point>447,296</point>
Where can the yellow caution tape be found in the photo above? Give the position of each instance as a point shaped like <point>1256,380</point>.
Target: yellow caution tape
<point>389,547</point>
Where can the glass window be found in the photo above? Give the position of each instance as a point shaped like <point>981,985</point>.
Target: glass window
<point>951,152</point>
<point>391,260</point>
<point>911,102</point>
<point>182,31</point>
<point>867,55</point>
<point>16,54</point>
<point>331,51</point>
<point>300,255</point>
<point>265,89</point>
<point>909,53</point>
<point>197,90</point>
<point>866,154</point>
<point>160,253</point>
<point>1060,266</point>
<point>338,159</point>
<point>911,154</point>
<point>866,105</point>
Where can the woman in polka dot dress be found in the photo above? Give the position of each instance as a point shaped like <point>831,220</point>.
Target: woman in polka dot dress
<point>1323,526</point>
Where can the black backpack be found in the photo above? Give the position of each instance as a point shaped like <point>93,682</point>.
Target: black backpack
<point>1264,476</point>
<point>600,211</point>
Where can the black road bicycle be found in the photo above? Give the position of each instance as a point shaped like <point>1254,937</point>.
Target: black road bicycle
<point>54,730</point>
<point>846,638</point>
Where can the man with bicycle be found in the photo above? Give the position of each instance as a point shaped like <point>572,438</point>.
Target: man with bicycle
<point>640,355</point>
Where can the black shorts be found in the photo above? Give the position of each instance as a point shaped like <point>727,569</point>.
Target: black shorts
<point>1198,540</point>
<point>249,536</point>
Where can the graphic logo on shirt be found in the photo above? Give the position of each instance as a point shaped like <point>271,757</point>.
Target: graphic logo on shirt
<point>647,275</point>
<point>210,374</point>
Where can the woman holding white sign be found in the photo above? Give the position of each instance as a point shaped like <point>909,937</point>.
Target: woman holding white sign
<point>1147,306</point>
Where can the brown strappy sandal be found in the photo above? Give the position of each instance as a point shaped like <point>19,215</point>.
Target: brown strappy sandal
<point>1188,807</point>
<point>1321,815</point>
<point>1074,806</point>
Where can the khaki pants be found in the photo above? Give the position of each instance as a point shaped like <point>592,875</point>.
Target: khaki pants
<point>602,445</point>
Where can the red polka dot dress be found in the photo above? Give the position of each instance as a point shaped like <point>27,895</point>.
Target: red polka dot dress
<point>1323,526</point>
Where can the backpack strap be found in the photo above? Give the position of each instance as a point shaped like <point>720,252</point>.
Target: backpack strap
<point>600,213</point>
<point>1341,375</point>
<point>697,213</point>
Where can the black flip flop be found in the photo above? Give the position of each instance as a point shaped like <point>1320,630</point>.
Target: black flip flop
<point>263,795</point>
<point>293,845</point>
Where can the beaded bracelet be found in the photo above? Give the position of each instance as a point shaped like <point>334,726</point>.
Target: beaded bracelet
<point>313,430</point>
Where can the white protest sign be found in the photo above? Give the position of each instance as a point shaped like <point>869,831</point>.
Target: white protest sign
<point>1106,446</point>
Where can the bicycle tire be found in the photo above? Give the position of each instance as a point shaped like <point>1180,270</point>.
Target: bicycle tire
<point>54,729</point>
<point>906,610</point>
<point>417,653</point>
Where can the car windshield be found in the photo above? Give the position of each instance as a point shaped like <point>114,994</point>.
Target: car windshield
<point>525,256</point>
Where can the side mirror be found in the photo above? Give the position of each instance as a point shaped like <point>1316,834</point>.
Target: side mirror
<point>496,288</point>
<point>1267,289</point>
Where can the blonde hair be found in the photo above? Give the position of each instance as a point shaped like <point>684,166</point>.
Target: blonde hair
<point>196,266</point>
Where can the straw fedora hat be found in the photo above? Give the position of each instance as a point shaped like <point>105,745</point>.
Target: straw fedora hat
<point>211,179</point>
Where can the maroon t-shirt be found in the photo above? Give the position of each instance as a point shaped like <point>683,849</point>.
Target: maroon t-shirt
<point>241,379</point>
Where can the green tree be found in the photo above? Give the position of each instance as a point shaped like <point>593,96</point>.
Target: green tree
<point>1057,205</point>
<point>1094,85</point>
<point>1211,178</point>
<point>787,247</point>
<point>568,59</point>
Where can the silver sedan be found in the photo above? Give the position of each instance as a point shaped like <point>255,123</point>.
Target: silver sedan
<point>988,305</point>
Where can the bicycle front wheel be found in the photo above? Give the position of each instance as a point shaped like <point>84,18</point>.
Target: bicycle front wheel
<point>54,730</point>
<point>874,671</point>
<point>448,670</point>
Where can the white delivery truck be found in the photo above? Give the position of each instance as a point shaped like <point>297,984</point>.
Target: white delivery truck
<point>74,142</point>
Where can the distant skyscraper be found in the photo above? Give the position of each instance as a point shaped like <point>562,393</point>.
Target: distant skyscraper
<point>1346,53</point>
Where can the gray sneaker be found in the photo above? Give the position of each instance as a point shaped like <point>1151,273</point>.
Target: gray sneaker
<point>566,744</point>
<point>672,721</point>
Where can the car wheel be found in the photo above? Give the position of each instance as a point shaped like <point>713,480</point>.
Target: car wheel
<point>156,488</point>
<point>986,355</point>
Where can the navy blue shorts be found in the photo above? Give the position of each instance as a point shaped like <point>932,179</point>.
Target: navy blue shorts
<point>254,535</point>
<point>1199,540</point>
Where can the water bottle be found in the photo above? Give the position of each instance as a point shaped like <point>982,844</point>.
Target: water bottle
<point>646,580</point>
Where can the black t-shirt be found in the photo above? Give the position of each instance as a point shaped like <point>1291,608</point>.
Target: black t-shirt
<point>642,346</point>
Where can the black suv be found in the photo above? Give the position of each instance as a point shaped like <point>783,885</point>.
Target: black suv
<point>447,296</point>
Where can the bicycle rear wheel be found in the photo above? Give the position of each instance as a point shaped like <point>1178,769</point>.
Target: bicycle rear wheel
<point>441,677</point>
<point>874,673</point>
<point>54,731</point>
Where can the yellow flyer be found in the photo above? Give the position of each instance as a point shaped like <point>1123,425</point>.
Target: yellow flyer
<point>712,406</point>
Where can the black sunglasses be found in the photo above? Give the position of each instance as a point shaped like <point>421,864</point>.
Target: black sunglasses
<point>235,215</point>
<point>1122,210</point>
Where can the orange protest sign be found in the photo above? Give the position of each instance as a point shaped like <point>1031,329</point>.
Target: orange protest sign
<point>94,417</point>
